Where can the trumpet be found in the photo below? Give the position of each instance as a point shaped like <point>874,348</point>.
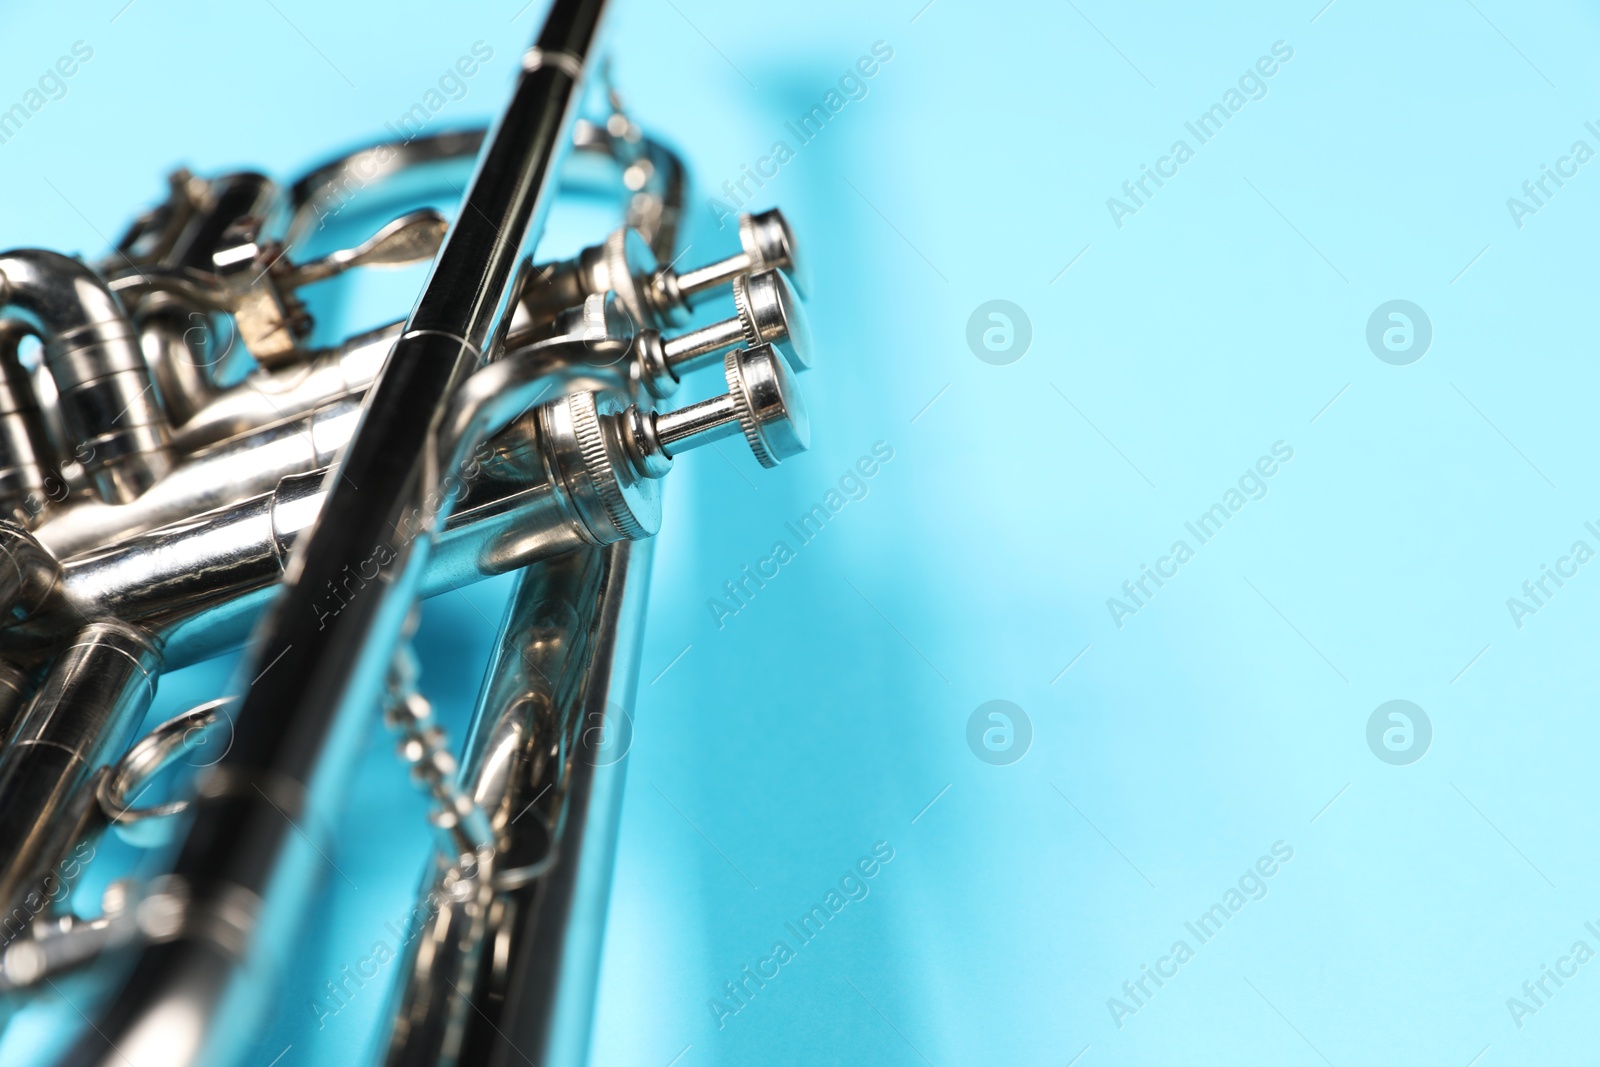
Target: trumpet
<point>168,498</point>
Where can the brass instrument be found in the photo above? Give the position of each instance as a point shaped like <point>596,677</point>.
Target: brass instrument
<point>167,501</point>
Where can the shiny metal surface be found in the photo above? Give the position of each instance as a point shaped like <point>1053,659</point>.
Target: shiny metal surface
<point>182,474</point>
<point>291,392</point>
<point>762,403</point>
<point>294,726</point>
<point>15,685</point>
<point>766,242</point>
<point>625,264</point>
<point>27,458</point>
<point>84,714</point>
<point>546,762</point>
<point>102,382</point>
<point>767,311</point>
<point>583,469</point>
<point>241,467</point>
<point>651,172</point>
<point>120,791</point>
<point>184,345</point>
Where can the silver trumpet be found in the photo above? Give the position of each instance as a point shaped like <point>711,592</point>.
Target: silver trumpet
<point>167,498</point>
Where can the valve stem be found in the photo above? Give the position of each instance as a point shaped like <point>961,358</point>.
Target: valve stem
<point>766,241</point>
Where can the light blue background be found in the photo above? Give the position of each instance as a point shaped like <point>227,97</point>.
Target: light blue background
<point>1230,713</point>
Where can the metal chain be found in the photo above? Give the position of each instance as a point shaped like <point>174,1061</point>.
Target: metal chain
<point>425,748</point>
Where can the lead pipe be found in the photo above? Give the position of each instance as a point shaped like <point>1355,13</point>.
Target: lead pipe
<point>267,397</point>
<point>243,467</point>
<point>247,864</point>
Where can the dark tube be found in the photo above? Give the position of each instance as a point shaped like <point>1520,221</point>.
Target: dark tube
<point>249,858</point>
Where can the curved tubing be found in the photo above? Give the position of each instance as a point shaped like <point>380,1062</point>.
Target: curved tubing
<point>104,390</point>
